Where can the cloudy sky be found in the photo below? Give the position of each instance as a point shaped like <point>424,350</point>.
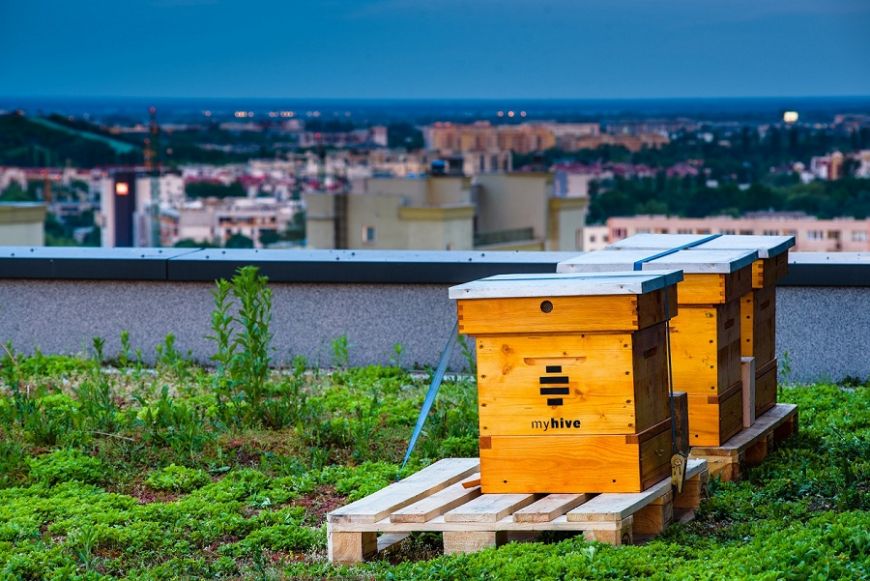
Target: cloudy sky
<point>435,48</point>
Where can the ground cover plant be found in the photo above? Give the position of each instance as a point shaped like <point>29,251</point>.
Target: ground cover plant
<point>111,469</point>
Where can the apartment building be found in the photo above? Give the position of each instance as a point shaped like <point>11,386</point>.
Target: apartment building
<point>216,221</point>
<point>482,136</point>
<point>21,224</point>
<point>505,211</point>
<point>811,234</point>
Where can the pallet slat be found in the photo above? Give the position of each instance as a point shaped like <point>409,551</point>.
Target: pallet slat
<point>442,501</point>
<point>431,479</point>
<point>550,507</point>
<point>752,445</point>
<point>614,507</point>
<point>489,508</point>
<point>778,415</point>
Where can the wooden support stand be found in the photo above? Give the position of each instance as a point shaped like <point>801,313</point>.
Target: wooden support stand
<point>751,446</point>
<point>436,500</point>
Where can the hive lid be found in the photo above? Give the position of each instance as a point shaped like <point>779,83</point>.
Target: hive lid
<point>568,284</point>
<point>656,241</point>
<point>695,261</point>
<point>766,246</point>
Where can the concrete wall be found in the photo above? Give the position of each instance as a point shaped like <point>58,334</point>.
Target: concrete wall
<point>824,332</point>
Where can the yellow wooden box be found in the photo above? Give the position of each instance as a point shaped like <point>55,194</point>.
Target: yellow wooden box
<point>757,307</point>
<point>572,379</point>
<point>705,334</point>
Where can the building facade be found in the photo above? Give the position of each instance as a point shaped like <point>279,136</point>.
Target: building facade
<point>504,211</point>
<point>811,234</point>
<point>22,224</point>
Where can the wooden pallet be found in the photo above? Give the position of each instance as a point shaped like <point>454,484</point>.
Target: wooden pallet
<point>752,445</point>
<point>436,500</point>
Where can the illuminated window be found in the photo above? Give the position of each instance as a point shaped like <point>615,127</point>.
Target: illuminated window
<point>122,188</point>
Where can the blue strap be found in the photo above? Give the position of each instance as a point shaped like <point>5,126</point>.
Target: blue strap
<point>433,390</point>
<point>638,265</point>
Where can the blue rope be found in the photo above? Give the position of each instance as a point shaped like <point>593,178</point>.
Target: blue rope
<point>433,390</point>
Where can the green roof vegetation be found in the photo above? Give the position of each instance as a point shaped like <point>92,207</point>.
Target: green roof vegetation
<point>111,468</point>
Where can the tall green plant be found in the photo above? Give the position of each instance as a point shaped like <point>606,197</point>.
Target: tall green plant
<point>240,330</point>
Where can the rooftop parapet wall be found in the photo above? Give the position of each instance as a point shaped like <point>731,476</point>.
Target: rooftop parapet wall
<point>57,299</point>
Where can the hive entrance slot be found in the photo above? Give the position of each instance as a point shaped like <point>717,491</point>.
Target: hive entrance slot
<point>551,362</point>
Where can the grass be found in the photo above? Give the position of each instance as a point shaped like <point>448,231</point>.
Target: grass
<point>134,473</point>
<point>109,469</point>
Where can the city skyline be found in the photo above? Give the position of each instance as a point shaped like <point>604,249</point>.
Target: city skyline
<point>384,49</point>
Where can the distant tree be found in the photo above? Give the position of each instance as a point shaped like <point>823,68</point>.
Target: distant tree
<point>214,190</point>
<point>191,243</point>
<point>404,135</point>
<point>296,230</point>
<point>268,237</point>
<point>14,193</point>
<point>56,234</point>
<point>239,241</point>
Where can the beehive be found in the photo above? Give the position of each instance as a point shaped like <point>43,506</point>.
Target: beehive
<point>705,335</point>
<point>572,379</point>
<point>757,307</point>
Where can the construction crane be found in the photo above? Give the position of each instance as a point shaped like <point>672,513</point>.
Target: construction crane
<point>152,168</point>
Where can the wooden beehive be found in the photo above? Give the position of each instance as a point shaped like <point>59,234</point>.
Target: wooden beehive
<point>572,379</point>
<point>757,307</point>
<point>705,335</point>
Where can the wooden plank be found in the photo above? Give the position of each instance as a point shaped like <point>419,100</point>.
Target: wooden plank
<point>562,315</point>
<point>437,504</point>
<point>655,458</point>
<point>559,464</point>
<point>681,419</point>
<point>619,533</point>
<point>747,369</point>
<point>616,507</point>
<point>387,540</point>
<point>347,548</point>
<point>654,517</point>
<point>549,507</point>
<point>705,348</point>
<point>650,355</point>
<point>758,324</point>
<point>765,388</point>
<point>470,542</point>
<point>395,496</point>
<point>777,416</point>
<point>489,508</point>
<point>712,424</point>
<point>597,389</point>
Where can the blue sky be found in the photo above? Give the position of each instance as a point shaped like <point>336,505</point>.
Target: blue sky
<point>434,48</point>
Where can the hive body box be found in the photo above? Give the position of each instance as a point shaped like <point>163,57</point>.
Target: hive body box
<point>572,380</point>
<point>757,307</point>
<point>705,334</point>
